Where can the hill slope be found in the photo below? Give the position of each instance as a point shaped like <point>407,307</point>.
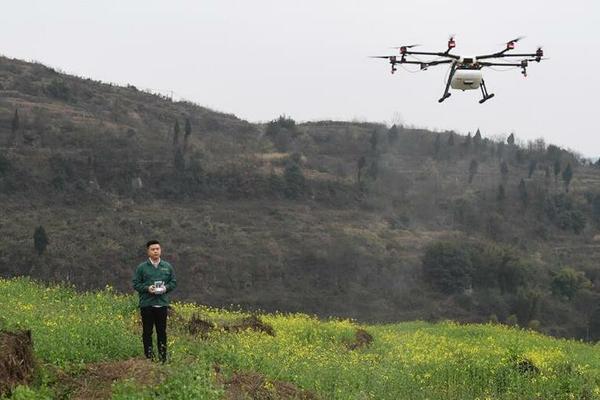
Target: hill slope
<point>332,218</point>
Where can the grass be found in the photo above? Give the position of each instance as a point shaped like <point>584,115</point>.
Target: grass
<point>414,360</point>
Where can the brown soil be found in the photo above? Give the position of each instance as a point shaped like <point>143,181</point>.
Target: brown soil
<point>95,382</point>
<point>254,386</point>
<point>199,326</point>
<point>16,360</point>
<point>362,339</point>
<point>253,323</point>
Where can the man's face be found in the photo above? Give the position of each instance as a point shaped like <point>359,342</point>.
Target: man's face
<point>154,251</point>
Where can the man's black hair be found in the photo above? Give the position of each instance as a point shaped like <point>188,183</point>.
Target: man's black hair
<point>151,242</point>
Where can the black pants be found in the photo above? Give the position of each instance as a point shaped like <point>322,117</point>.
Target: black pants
<point>154,316</point>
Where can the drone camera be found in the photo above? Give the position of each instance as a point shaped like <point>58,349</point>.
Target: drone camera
<point>402,49</point>
<point>510,45</point>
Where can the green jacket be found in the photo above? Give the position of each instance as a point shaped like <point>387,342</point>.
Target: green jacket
<point>145,276</point>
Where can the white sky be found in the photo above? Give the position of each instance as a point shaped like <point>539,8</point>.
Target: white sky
<point>309,59</point>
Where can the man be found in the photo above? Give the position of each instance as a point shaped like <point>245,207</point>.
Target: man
<point>153,279</point>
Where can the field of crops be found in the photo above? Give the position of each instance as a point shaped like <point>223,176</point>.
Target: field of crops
<point>72,331</point>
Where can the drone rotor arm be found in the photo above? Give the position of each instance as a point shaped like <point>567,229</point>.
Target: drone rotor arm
<point>430,53</point>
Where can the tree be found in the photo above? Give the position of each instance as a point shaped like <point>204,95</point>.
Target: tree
<point>179,161</point>
<point>557,168</point>
<point>504,171</point>
<point>532,167</point>
<point>188,133</point>
<point>40,240</point>
<point>568,281</point>
<point>567,175</point>
<point>451,139</point>
<point>473,169</point>
<point>393,134</point>
<point>176,130</point>
<point>511,139</point>
<point>477,138</point>
<point>447,267</point>
<point>374,140</point>
<point>594,325</point>
<point>523,195</point>
<point>15,122</point>
<point>295,182</point>
<point>501,196</point>
<point>468,141</point>
<point>362,161</point>
<point>436,145</point>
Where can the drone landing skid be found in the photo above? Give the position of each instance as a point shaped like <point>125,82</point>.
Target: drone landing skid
<point>444,97</point>
<point>484,93</point>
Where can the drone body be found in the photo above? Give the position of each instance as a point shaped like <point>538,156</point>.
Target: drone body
<point>465,72</point>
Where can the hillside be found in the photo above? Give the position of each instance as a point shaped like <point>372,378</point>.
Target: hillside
<point>87,345</point>
<point>336,218</point>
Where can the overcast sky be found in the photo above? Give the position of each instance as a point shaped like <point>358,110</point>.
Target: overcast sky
<point>309,59</point>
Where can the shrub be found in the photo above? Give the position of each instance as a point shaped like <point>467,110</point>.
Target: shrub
<point>447,266</point>
<point>294,181</point>
<point>564,214</point>
<point>568,281</point>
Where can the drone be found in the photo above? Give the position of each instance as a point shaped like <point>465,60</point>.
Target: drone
<point>465,72</point>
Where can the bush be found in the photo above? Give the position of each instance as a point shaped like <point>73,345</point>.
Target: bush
<point>568,281</point>
<point>58,89</point>
<point>294,181</point>
<point>447,266</point>
<point>564,214</point>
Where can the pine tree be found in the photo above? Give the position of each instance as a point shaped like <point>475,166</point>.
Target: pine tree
<point>523,195</point>
<point>556,169</point>
<point>436,145</point>
<point>451,140</point>
<point>15,122</point>
<point>179,161</point>
<point>393,134</point>
<point>504,171</point>
<point>511,139</point>
<point>477,138</point>
<point>188,133</point>
<point>468,140</point>
<point>532,167</point>
<point>473,169</point>
<point>373,140</point>
<point>176,130</point>
<point>360,165</point>
<point>501,196</point>
<point>567,175</point>
<point>295,182</point>
<point>40,240</point>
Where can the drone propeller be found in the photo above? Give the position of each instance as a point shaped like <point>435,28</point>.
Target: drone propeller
<point>511,43</point>
<point>392,59</point>
<point>409,46</point>
<point>403,49</point>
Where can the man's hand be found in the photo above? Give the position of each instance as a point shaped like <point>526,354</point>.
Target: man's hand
<point>151,289</point>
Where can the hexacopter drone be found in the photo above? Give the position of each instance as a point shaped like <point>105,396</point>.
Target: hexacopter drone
<point>465,72</point>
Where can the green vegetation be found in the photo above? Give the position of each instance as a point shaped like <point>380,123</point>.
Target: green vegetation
<point>74,332</point>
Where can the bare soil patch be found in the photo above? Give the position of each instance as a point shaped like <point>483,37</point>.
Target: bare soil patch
<point>17,363</point>
<point>202,327</point>
<point>250,323</point>
<point>254,386</point>
<point>95,382</point>
<point>362,339</point>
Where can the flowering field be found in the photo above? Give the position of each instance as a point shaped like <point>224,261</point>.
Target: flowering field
<point>415,360</point>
